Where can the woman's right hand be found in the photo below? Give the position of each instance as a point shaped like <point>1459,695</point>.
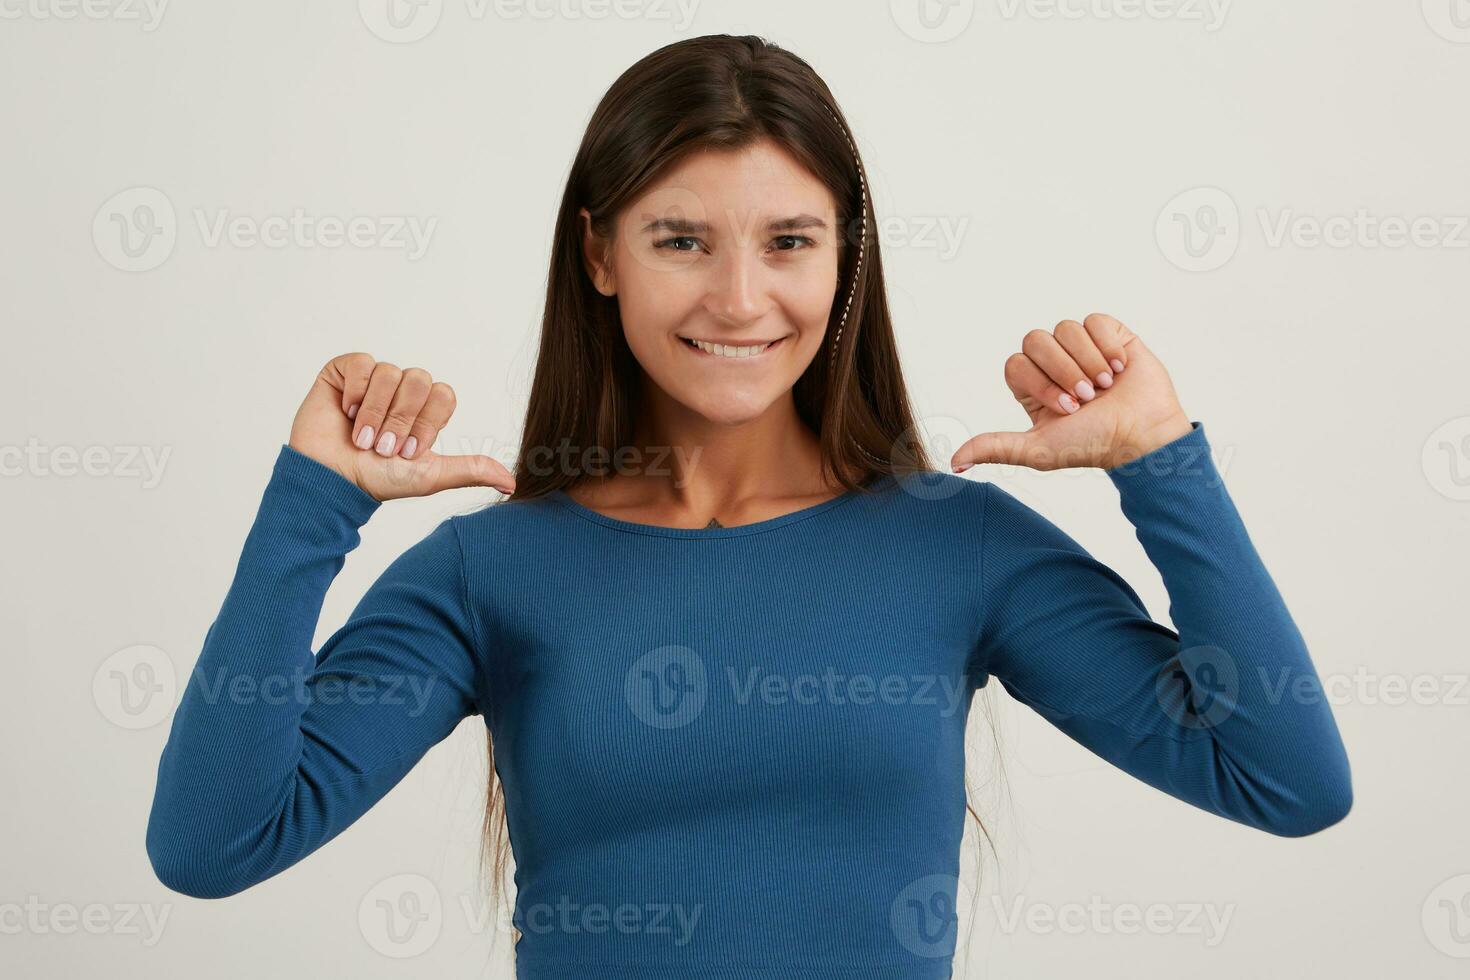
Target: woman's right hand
<point>375,424</point>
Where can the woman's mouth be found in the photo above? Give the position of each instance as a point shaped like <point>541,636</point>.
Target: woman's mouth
<point>744,351</point>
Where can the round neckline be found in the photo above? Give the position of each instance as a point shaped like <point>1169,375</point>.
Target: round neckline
<point>739,530</point>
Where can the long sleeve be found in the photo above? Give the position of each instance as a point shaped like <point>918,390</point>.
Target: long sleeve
<point>273,751</point>
<point>1228,713</point>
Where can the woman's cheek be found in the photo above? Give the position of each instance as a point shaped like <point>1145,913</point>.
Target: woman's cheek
<point>810,303</point>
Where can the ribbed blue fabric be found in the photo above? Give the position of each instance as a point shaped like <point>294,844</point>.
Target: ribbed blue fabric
<point>735,752</point>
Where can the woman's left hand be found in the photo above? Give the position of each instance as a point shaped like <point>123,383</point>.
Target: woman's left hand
<point>1096,394</point>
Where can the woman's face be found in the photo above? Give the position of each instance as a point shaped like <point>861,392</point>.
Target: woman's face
<point>725,272</point>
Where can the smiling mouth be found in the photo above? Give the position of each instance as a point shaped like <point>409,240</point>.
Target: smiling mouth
<point>730,351</point>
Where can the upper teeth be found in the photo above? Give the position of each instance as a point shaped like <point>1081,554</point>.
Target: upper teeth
<point>725,350</point>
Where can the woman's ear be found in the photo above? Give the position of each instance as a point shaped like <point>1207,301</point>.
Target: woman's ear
<point>595,256</point>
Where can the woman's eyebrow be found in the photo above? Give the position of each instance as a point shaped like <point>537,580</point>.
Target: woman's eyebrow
<point>685,226</point>
<point>797,223</point>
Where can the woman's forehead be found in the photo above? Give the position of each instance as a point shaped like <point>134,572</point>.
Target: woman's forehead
<point>732,188</point>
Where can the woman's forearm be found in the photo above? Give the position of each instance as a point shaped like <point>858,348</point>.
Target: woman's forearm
<point>274,750</point>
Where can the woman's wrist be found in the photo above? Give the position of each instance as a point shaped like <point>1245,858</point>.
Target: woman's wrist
<point>1155,437</point>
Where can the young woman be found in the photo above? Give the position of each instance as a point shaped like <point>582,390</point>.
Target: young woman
<point>726,629</point>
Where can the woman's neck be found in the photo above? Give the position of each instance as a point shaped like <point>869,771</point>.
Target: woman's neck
<point>702,473</point>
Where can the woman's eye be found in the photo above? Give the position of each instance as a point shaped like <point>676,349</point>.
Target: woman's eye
<point>669,243</point>
<point>688,243</point>
<point>796,241</point>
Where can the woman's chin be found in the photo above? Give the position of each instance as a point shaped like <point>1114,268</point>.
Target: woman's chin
<point>731,408</point>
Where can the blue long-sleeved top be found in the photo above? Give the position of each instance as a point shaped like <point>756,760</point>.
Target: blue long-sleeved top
<point>734,752</point>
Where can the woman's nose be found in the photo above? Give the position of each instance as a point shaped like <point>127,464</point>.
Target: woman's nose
<point>738,288</point>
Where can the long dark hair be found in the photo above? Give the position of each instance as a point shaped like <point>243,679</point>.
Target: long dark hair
<point>711,92</point>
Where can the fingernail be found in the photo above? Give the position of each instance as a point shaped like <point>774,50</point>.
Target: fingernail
<point>352,412</point>
<point>365,437</point>
<point>1085,392</point>
<point>410,446</point>
<point>1068,403</point>
<point>1104,379</point>
<point>385,444</point>
<point>962,467</point>
<point>1117,366</point>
